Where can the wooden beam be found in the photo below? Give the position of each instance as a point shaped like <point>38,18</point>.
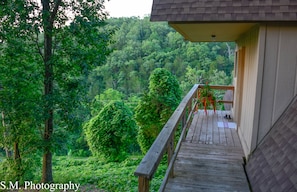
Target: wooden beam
<point>143,184</point>
<point>224,101</point>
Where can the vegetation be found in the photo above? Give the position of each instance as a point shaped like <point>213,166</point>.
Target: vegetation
<point>112,132</point>
<point>140,46</point>
<point>57,56</point>
<point>95,173</point>
<point>59,73</point>
<point>21,106</point>
<point>155,107</point>
<point>206,96</point>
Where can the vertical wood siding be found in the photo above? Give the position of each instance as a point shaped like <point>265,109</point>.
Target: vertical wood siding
<point>279,75</point>
<point>269,82</point>
<point>245,128</point>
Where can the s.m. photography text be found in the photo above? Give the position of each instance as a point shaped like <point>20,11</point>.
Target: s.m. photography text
<point>29,185</point>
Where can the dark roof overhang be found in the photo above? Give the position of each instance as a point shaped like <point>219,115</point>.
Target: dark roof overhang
<point>226,20</point>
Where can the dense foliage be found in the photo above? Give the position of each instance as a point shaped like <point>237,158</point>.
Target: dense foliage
<point>156,106</point>
<point>140,46</point>
<point>112,132</point>
<point>45,101</point>
<point>104,98</point>
<point>20,105</point>
<point>97,175</point>
<point>52,46</point>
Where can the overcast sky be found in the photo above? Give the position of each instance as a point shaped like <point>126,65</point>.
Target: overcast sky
<point>128,8</point>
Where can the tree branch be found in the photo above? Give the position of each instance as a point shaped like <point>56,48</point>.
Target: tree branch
<point>55,10</point>
<point>35,40</point>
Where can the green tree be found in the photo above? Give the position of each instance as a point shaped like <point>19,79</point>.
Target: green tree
<point>104,98</point>
<point>192,77</point>
<point>141,46</point>
<point>112,132</point>
<point>20,99</point>
<point>220,78</point>
<point>155,107</point>
<point>72,43</point>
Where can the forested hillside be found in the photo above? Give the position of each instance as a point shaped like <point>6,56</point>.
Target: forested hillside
<point>100,76</point>
<point>141,46</point>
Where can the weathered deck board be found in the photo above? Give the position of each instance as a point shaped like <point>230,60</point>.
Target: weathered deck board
<point>210,158</point>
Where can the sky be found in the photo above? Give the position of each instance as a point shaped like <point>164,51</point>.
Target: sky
<point>128,8</point>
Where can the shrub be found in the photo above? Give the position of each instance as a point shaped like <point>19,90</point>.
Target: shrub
<point>156,107</point>
<point>112,132</point>
<point>27,170</point>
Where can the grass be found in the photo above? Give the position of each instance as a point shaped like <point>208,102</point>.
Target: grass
<point>105,176</point>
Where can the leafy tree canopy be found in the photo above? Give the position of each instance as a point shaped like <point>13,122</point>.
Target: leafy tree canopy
<point>155,107</point>
<point>58,42</point>
<point>112,132</point>
<point>140,46</point>
<point>103,99</point>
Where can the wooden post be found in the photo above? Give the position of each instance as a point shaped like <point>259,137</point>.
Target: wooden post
<point>170,151</point>
<point>190,109</point>
<point>182,124</point>
<point>197,98</point>
<point>143,184</point>
<point>183,121</point>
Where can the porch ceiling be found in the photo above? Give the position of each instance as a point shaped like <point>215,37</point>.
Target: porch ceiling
<point>207,32</point>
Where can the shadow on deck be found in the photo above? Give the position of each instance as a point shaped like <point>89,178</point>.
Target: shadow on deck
<point>210,157</point>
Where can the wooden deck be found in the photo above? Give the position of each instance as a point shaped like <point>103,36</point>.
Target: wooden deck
<point>210,158</point>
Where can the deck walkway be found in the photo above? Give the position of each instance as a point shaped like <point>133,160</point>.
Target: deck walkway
<point>210,158</point>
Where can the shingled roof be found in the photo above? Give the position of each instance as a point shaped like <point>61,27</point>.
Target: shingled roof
<point>224,10</point>
<point>273,165</point>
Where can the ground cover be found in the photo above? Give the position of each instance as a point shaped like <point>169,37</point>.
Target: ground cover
<point>96,175</point>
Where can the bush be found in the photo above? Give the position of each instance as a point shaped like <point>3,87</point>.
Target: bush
<point>112,132</point>
<point>27,170</point>
<point>156,107</point>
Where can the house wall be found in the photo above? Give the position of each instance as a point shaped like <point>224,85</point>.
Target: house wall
<point>269,80</point>
<point>249,42</point>
<point>279,75</point>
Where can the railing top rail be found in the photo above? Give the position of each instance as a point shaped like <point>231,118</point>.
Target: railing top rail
<point>151,160</point>
<point>219,87</point>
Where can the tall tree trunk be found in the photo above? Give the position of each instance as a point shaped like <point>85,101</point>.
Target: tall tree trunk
<point>48,18</point>
<point>5,134</point>
<point>47,175</point>
<point>17,155</point>
<point>18,161</point>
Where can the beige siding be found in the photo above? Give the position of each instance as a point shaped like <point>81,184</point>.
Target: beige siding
<point>246,126</point>
<point>269,80</point>
<point>279,76</point>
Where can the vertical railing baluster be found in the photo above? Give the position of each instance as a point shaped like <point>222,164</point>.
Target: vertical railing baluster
<point>143,184</point>
<point>170,151</point>
<point>183,121</point>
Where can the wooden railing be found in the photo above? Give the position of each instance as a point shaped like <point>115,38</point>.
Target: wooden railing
<point>165,140</point>
<point>222,87</point>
